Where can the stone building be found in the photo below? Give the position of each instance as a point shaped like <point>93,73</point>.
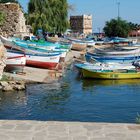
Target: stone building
<point>14,19</point>
<point>81,24</point>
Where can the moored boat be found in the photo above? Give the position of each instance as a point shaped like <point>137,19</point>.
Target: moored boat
<point>111,58</point>
<point>53,39</point>
<point>47,61</point>
<point>89,57</point>
<point>118,47</point>
<point>113,51</point>
<point>15,63</point>
<point>105,66</point>
<point>42,50</point>
<point>116,40</point>
<point>87,41</point>
<point>109,74</point>
<point>45,46</point>
<point>10,43</point>
<point>78,46</point>
<point>7,42</point>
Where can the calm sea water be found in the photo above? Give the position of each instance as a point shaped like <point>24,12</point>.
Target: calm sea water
<point>74,99</point>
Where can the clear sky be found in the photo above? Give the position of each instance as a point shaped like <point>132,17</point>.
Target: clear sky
<point>103,10</point>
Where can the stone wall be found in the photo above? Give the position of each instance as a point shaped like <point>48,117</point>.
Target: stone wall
<point>14,19</point>
<point>81,24</point>
<point>76,23</point>
<point>2,59</point>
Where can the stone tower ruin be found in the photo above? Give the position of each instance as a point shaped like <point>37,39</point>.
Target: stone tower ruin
<point>81,24</point>
<point>14,19</point>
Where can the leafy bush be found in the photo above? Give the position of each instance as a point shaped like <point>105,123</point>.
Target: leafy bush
<point>117,27</point>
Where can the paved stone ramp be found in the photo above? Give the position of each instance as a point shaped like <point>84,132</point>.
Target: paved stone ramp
<point>37,130</point>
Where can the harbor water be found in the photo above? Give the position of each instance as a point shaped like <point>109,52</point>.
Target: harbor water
<point>74,99</point>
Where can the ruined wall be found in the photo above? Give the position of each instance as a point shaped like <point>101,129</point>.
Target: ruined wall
<point>76,23</point>
<point>14,19</point>
<point>2,59</point>
<point>81,24</point>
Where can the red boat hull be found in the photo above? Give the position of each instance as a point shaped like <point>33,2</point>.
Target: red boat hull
<point>38,64</point>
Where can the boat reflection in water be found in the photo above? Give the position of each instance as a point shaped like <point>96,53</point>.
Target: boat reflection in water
<point>91,83</point>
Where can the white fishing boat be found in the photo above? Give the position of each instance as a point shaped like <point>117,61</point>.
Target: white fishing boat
<point>105,66</point>
<point>47,61</point>
<point>112,51</point>
<point>87,41</point>
<point>15,63</point>
<point>78,46</point>
<point>53,39</point>
<point>126,47</point>
<point>7,42</point>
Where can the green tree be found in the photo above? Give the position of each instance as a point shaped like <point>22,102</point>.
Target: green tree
<point>2,18</point>
<point>134,26</point>
<point>117,27</point>
<point>49,15</point>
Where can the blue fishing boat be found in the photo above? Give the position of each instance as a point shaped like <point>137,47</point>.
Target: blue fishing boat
<point>34,48</point>
<point>45,46</point>
<point>10,43</point>
<point>23,45</point>
<point>116,40</point>
<point>125,58</point>
<point>37,49</point>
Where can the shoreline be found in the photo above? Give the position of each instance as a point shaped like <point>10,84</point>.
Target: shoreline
<point>61,130</point>
<point>56,130</point>
<point>38,75</point>
<point>32,75</point>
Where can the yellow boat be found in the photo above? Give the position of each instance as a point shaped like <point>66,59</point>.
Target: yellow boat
<point>109,74</point>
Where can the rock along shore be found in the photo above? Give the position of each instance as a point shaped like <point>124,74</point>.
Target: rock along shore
<point>12,85</point>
